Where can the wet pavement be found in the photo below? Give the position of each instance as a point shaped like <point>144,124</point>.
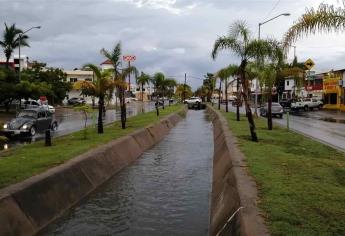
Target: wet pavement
<point>165,192</point>
<point>70,121</point>
<point>325,126</point>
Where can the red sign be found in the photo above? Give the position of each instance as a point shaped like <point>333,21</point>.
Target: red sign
<point>129,58</point>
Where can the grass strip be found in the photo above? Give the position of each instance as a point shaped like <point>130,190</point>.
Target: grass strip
<point>27,160</point>
<point>301,181</point>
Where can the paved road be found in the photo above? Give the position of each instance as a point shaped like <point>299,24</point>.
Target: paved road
<point>326,126</point>
<point>70,121</point>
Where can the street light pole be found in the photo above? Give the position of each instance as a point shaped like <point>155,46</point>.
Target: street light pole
<point>20,42</point>
<point>259,37</point>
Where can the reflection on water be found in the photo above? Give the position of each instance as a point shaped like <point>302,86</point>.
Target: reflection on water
<point>165,192</point>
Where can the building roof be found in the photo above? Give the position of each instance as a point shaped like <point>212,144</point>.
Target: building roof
<point>107,62</point>
<point>79,72</point>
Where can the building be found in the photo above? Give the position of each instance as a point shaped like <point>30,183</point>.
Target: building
<point>14,62</point>
<point>106,65</point>
<point>334,90</point>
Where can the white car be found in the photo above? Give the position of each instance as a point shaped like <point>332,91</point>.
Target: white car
<point>192,100</point>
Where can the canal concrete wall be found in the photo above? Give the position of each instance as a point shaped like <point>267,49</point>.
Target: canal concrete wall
<point>234,192</point>
<point>29,206</point>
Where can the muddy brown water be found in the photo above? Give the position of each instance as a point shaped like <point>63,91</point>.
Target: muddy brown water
<point>165,192</point>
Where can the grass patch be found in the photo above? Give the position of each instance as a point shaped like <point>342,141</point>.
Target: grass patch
<point>301,181</point>
<point>25,161</point>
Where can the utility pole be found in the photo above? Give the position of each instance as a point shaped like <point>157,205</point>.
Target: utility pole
<point>129,77</point>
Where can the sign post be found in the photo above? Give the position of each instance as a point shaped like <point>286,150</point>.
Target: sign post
<point>309,64</point>
<point>129,58</point>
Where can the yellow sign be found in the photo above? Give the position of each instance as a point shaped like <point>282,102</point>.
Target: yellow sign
<point>309,64</point>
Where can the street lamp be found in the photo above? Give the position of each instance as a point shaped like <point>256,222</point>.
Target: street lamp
<point>257,82</point>
<point>20,41</point>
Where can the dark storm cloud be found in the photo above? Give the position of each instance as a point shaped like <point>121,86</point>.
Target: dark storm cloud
<point>172,36</point>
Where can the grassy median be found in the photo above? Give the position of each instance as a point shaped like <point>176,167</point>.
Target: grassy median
<point>28,160</point>
<point>301,182</point>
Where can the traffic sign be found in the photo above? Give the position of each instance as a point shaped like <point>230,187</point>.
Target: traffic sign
<point>309,64</point>
<point>129,58</point>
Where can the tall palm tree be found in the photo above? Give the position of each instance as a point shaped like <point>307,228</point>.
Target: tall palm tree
<point>168,87</point>
<point>12,40</point>
<point>326,18</point>
<point>119,77</point>
<point>239,42</point>
<point>98,88</point>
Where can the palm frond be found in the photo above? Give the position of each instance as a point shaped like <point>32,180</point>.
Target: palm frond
<point>326,18</point>
<point>95,70</point>
<point>239,29</point>
<point>226,43</point>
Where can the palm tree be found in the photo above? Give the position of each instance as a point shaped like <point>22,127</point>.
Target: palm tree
<point>98,88</point>
<point>239,42</point>
<point>142,80</point>
<point>223,75</point>
<point>12,40</point>
<point>325,18</point>
<point>119,77</point>
<point>168,87</point>
<point>157,82</point>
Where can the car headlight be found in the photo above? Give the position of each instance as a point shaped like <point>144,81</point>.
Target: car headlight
<point>25,126</point>
<point>5,126</point>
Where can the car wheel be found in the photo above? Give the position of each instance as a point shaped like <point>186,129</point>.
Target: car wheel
<point>306,108</point>
<point>320,107</point>
<point>281,116</point>
<point>32,131</point>
<point>54,126</point>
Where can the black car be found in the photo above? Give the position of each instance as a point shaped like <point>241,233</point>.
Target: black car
<point>30,122</point>
<point>76,101</point>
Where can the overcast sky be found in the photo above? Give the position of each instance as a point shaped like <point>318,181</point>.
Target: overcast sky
<point>171,36</point>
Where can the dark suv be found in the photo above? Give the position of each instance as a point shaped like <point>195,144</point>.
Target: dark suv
<point>30,122</point>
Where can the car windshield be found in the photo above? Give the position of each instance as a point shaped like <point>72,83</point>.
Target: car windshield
<point>28,113</point>
<point>275,104</point>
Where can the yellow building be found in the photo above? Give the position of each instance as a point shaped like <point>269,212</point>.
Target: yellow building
<point>334,92</point>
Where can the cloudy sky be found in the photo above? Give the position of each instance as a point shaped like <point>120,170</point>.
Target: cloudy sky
<point>172,36</point>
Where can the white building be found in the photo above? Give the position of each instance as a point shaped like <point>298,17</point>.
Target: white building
<point>14,62</point>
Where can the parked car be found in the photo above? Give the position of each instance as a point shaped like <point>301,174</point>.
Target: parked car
<point>76,101</point>
<point>306,104</point>
<point>277,110</point>
<point>285,103</point>
<point>192,100</point>
<point>30,121</point>
<point>35,104</point>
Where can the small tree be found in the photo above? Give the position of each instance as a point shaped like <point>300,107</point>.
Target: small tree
<point>85,110</point>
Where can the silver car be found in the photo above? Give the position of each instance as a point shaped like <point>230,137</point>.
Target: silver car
<point>277,110</point>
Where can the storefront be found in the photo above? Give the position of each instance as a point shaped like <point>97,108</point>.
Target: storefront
<point>333,92</point>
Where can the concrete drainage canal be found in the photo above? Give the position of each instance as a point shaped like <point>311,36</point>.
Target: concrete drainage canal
<point>165,192</point>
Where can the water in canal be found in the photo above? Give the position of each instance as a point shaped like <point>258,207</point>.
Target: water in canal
<point>165,192</point>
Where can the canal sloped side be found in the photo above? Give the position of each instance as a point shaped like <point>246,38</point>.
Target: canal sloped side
<point>234,208</point>
<point>165,192</point>
<point>29,206</point>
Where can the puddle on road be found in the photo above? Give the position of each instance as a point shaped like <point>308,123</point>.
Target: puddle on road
<point>331,119</point>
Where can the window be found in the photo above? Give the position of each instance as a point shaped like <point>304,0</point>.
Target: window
<point>287,83</point>
<point>88,79</point>
<point>73,80</point>
<point>41,114</point>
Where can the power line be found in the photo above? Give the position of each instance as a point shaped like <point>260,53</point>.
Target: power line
<point>274,7</point>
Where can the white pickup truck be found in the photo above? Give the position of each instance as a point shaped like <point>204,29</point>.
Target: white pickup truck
<point>306,104</point>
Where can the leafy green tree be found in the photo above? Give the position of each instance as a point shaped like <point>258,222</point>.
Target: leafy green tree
<point>85,110</point>
<point>209,83</point>
<point>97,88</point>
<point>10,41</point>
<point>239,42</point>
<point>183,90</point>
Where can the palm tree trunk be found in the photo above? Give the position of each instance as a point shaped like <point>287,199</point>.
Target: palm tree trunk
<point>226,96</point>
<point>8,62</point>
<point>219,93</point>
<point>157,105</point>
<point>100,115</point>
<point>238,100</point>
<point>245,98</point>
<point>142,98</point>
<point>269,111</point>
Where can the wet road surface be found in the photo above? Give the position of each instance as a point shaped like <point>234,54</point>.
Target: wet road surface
<point>70,121</point>
<point>165,192</point>
<point>325,126</point>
